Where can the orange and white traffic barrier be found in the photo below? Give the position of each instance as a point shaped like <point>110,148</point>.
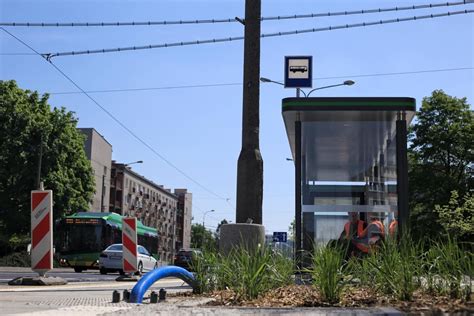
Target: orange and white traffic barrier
<point>129,242</point>
<point>42,231</point>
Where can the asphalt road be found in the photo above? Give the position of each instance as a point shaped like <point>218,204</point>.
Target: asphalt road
<point>10,273</point>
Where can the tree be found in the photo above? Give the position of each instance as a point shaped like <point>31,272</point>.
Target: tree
<point>440,158</point>
<point>457,217</point>
<point>201,237</point>
<point>292,230</point>
<point>28,128</point>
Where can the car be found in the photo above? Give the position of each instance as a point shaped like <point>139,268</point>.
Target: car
<point>184,258</point>
<point>110,260</point>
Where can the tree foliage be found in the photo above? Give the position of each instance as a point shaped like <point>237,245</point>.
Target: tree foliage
<point>457,217</point>
<point>440,158</point>
<point>201,237</point>
<point>29,126</point>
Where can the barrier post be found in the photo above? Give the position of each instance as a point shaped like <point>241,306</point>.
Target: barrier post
<point>129,242</point>
<point>41,231</point>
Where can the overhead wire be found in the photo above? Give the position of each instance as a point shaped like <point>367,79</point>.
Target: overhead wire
<point>49,56</point>
<point>233,20</point>
<point>139,139</point>
<point>213,85</point>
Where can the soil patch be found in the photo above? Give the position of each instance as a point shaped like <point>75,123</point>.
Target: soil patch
<point>308,296</point>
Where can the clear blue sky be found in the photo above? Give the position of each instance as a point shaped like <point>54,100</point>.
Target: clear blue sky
<point>199,129</point>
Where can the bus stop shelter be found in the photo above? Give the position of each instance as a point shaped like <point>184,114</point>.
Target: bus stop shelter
<point>350,155</point>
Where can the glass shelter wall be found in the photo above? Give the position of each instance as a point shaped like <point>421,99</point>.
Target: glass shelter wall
<point>348,165</point>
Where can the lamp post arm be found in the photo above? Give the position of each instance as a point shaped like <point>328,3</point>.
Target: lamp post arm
<point>320,88</point>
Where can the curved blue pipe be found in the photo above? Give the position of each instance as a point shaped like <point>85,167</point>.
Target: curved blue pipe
<point>136,296</point>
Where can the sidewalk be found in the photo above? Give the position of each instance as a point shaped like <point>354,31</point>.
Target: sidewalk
<point>96,299</point>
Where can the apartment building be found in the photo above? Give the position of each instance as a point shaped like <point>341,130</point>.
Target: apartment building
<point>99,152</point>
<point>183,219</point>
<point>134,195</point>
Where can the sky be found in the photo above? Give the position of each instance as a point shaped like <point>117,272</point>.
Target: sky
<point>197,130</point>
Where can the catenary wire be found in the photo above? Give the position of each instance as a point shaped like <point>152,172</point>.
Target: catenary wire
<point>233,20</point>
<point>240,84</point>
<point>140,140</point>
<point>48,56</point>
<point>18,54</point>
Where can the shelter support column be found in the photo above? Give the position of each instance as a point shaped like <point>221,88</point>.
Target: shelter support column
<point>298,160</point>
<point>402,172</point>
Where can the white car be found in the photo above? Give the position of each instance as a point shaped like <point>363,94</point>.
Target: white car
<point>110,260</point>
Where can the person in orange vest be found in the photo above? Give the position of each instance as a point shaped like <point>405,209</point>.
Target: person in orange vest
<point>353,228</point>
<point>372,235</point>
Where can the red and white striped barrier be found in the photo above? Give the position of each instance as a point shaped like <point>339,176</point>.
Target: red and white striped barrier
<point>42,231</point>
<point>129,241</point>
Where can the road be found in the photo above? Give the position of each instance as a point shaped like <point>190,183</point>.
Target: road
<point>10,273</point>
<point>76,298</point>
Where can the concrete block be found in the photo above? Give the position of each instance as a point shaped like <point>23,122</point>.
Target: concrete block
<point>244,235</point>
<point>38,281</point>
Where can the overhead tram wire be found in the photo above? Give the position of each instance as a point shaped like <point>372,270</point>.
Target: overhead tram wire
<point>240,84</point>
<point>238,38</point>
<point>233,20</point>
<point>117,120</point>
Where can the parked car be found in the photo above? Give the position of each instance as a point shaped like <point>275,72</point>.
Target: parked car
<point>184,258</point>
<point>110,260</point>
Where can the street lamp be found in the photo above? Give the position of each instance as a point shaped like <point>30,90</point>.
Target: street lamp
<point>131,163</point>
<point>266,80</point>
<point>345,83</point>
<point>204,217</point>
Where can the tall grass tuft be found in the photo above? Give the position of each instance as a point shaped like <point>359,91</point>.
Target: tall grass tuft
<point>397,267</point>
<point>250,273</point>
<point>328,272</point>
<point>205,267</point>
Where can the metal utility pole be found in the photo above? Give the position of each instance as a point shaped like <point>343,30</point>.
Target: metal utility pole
<point>250,163</point>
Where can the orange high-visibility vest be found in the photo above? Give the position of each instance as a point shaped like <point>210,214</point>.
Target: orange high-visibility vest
<point>392,229</point>
<point>360,228</point>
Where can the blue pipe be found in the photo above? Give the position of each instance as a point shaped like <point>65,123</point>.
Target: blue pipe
<point>151,277</point>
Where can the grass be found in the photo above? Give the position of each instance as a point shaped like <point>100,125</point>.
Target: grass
<point>329,272</point>
<point>446,265</point>
<point>248,273</point>
<point>396,268</point>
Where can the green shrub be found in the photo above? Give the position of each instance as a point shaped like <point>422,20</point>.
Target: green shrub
<point>448,264</point>
<point>16,259</point>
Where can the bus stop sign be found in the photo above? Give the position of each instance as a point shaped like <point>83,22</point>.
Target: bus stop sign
<point>279,237</point>
<point>298,71</point>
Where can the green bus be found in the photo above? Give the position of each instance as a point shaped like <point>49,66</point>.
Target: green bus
<point>80,238</point>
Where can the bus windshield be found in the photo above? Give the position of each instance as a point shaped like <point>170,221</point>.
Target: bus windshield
<point>76,238</point>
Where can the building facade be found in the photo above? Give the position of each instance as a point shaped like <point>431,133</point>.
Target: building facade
<point>183,219</point>
<point>134,195</point>
<point>99,152</point>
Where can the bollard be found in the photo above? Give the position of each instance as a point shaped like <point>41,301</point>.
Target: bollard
<point>126,295</point>
<point>115,297</point>
<point>153,297</point>
<point>162,294</point>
